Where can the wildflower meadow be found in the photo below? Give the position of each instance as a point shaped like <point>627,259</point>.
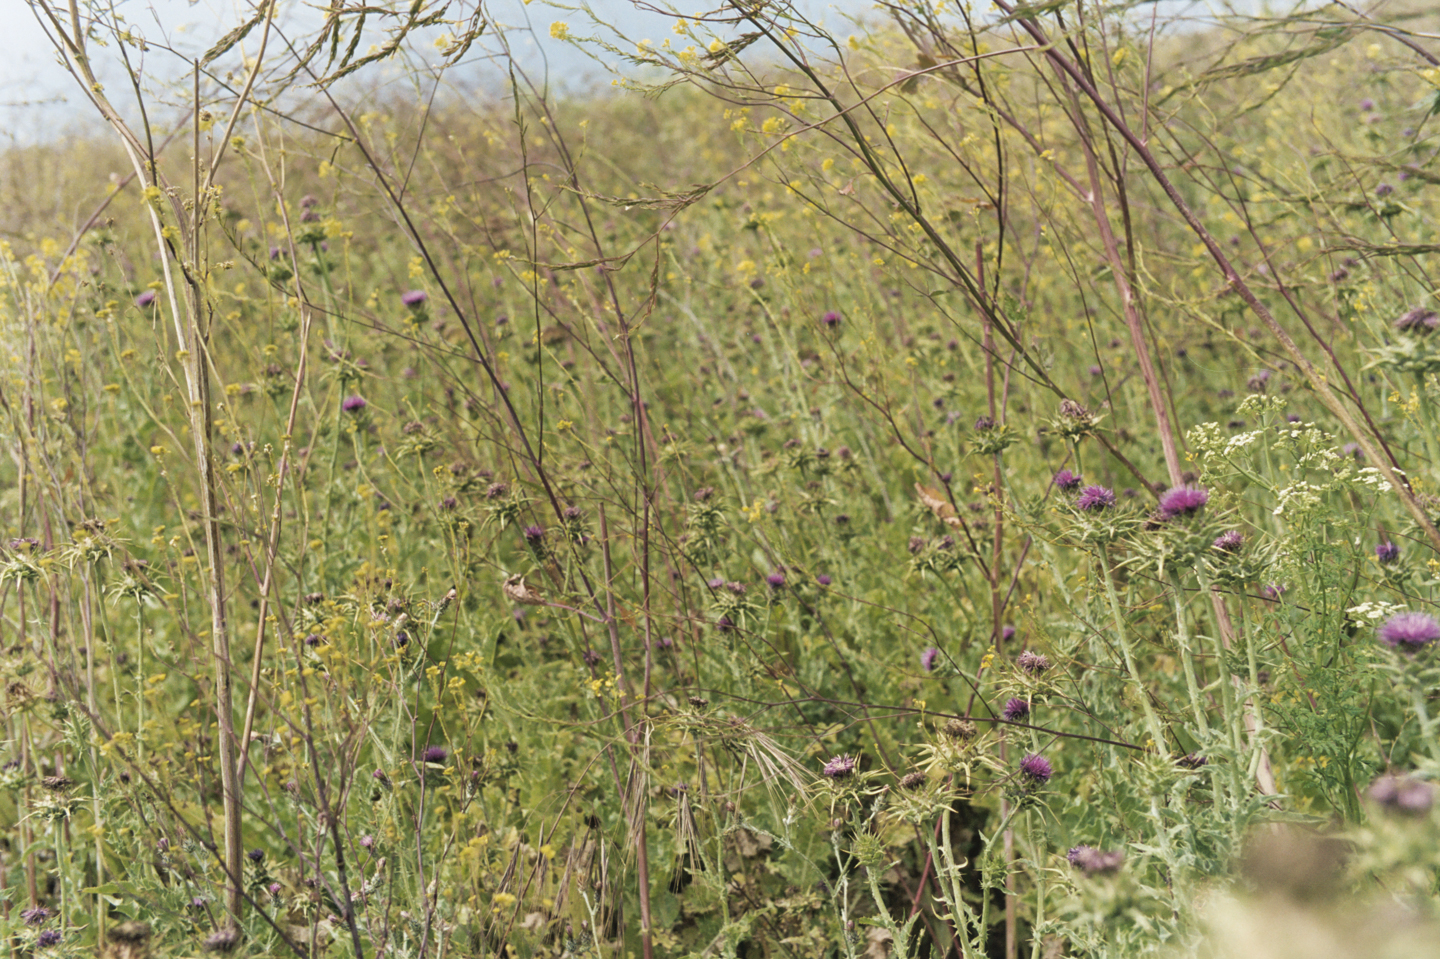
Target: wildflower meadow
<point>926,481</point>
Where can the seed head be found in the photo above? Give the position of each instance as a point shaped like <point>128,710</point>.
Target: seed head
<point>222,940</point>
<point>959,729</point>
<point>1032,663</point>
<point>912,780</point>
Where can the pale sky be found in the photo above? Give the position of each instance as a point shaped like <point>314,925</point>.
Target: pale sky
<point>38,99</point>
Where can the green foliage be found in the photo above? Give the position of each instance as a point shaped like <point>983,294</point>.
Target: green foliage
<point>637,523</point>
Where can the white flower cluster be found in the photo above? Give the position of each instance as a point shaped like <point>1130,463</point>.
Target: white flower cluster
<point>1373,479</point>
<point>1299,497</point>
<point>1374,611</point>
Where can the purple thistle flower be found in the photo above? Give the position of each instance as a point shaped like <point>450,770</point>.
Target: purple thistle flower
<point>928,658</point>
<point>274,888</point>
<point>831,319</point>
<point>367,841</point>
<point>434,754</point>
<point>414,298</point>
<point>1409,631</point>
<point>984,424</point>
<point>1191,761</point>
<point>353,404</point>
<point>1387,553</point>
<point>1417,320</point>
<point>1273,591</point>
<point>35,916</point>
<point>145,298</point>
<point>1384,189</point>
<point>1182,501</point>
<point>1094,499</point>
<point>1094,861</point>
<point>1367,104</point>
<point>1066,481</point>
<point>1007,633</point>
<point>1402,794</point>
<point>1036,768</point>
<point>1229,541</point>
<point>533,534</point>
<point>776,580</point>
<point>48,938</point>
<point>1032,663</point>
<point>841,767</point>
<point>255,855</point>
<point>823,580</point>
<point>1016,710</point>
<point>715,583</point>
<point>725,625</point>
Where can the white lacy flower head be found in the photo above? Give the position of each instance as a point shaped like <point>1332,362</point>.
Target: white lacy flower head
<point>1299,497</point>
<point>1372,479</point>
<point>1260,403</point>
<point>1374,611</point>
<point>1240,441</point>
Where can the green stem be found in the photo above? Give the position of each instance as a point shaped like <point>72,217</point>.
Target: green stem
<point>1187,655</point>
<point>1039,852</point>
<point>1156,735</point>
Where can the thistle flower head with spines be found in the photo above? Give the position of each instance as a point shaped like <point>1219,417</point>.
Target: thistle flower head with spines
<point>1182,501</point>
<point>1229,541</point>
<point>1036,769</point>
<point>1409,632</point>
<point>1095,499</point>
<point>1032,662</point>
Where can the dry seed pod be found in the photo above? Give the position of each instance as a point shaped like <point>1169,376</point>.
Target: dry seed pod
<point>516,589</point>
